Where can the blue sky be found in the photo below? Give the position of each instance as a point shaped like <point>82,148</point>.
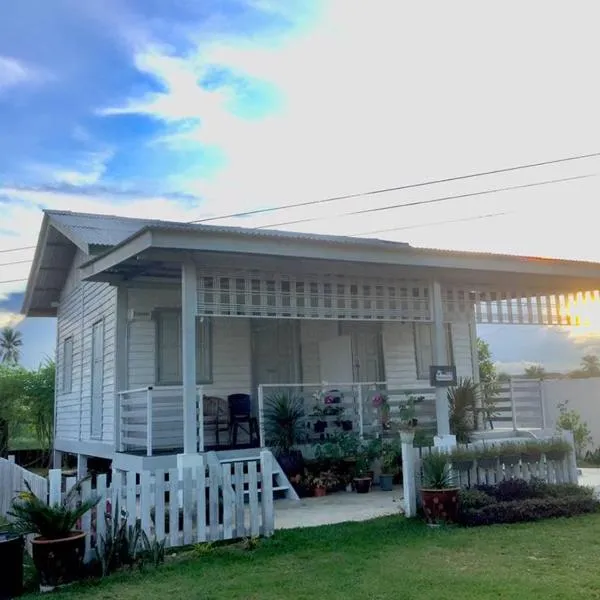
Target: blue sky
<point>184,109</point>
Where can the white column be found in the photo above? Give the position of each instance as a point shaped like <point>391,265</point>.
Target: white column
<point>188,342</point>
<point>121,359</point>
<point>440,358</point>
<point>409,480</point>
<point>82,466</point>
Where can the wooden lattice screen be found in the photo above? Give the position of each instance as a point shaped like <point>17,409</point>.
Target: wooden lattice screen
<point>268,295</point>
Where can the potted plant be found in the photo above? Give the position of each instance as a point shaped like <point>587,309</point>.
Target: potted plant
<point>439,494</point>
<point>284,420</point>
<point>556,449</point>
<point>408,420</point>
<point>326,481</point>
<point>487,457</point>
<point>532,452</point>
<point>58,548</point>
<point>510,453</point>
<point>462,459</point>
<point>319,487</point>
<point>362,479</point>
<point>389,466</point>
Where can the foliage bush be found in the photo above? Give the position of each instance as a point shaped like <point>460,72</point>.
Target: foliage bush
<point>515,500</point>
<point>529,509</point>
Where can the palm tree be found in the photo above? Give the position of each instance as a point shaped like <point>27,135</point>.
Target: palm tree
<point>535,372</point>
<point>590,364</point>
<point>11,341</point>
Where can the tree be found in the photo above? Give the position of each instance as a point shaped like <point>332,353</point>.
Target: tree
<point>27,404</point>
<point>570,420</point>
<point>590,365</point>
<point>11,341</point>
<point>535,372</point>
<point>488,380</point>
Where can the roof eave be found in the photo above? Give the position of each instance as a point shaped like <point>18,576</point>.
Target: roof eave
<point>35,266</point>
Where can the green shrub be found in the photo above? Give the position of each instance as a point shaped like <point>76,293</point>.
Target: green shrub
<point>474,499</point>
<point>529,509</point>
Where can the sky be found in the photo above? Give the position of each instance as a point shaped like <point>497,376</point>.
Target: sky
<point>185,110</point>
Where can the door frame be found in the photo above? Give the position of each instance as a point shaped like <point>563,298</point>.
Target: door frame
<point>347,328</point>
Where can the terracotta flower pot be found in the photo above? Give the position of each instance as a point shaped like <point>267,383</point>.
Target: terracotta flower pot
<point>320,492</point>
<point>440,505</point>
<point>58,561</point>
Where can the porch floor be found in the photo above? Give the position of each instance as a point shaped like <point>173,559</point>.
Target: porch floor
<point>337,508</point>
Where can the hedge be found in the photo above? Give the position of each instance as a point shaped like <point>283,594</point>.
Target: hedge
<point>516,500</point>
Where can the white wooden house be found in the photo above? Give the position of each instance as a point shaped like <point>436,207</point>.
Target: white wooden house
<point>154,316</point>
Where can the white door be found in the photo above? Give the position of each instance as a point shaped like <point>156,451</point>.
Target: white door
<point>97,377</point>
<point>335,358</point>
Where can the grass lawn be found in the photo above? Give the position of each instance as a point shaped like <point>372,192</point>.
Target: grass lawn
<point>385,558</point>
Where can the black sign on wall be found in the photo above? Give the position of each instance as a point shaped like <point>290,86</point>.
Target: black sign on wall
<point>442,376</point>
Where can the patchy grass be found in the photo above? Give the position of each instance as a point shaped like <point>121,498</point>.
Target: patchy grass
<point>385,558</point>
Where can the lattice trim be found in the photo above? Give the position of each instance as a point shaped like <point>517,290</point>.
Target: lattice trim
<point>268,295</point>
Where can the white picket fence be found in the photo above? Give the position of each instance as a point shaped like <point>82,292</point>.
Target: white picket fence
<point>209,502</point>
<point>13,480</point>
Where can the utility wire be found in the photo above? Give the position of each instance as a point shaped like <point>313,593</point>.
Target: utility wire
<point>433,223</point>
<point>431,201</point>
<point>398,188</point>
<point>16,249</point>
<point>14,280</point>
<point>16,262</point>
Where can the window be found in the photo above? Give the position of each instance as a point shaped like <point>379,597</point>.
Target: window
<point>168,349</point>
<point>67,366</point>
<point>423,334</point>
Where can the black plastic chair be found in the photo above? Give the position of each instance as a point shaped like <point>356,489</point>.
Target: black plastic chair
<point>240,417</point>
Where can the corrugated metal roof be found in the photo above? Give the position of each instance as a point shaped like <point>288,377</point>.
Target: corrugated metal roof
<point>109,230</point>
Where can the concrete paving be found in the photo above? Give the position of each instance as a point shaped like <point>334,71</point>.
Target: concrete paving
<point>591,478</point>
<point>350,506</point>
<point>337,508</point>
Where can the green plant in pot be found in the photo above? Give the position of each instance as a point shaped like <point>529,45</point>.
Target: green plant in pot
<point>439,492</point>
<point>487,457</point>
<point>556,449</point>
<point>362,478</point>
<point>462,459</point>
<point>285,428</point>
<point>58,548</point>
<point>510,453</point>
<point>390,456</point>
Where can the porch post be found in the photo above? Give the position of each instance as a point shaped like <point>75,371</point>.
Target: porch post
<point>440,358</point>
<point>188,356</point>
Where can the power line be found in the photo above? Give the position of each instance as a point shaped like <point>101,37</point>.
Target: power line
<point>431,224</point>
<point>431,201</point>
<point>16,249</point>
<point>16,262</point>
<point>259,211</point>
<point>14,280</point>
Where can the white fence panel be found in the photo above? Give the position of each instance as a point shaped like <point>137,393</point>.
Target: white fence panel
<point>13,479</point>
<point>235,500</point>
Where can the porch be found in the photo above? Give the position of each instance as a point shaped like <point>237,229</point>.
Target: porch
<point>213,312</point>
<point>150,421</point>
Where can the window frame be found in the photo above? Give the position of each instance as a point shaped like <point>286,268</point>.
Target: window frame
<point>422,372</point>
<point>201,322</point>
<point>67,369</point>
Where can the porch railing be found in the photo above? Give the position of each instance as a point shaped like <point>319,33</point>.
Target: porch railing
<point>333,407</point>
<point>150,419</point>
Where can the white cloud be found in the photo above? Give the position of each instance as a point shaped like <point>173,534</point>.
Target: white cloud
<point>88,169</point>
<point>9,319</point>
<point>14,73</point>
